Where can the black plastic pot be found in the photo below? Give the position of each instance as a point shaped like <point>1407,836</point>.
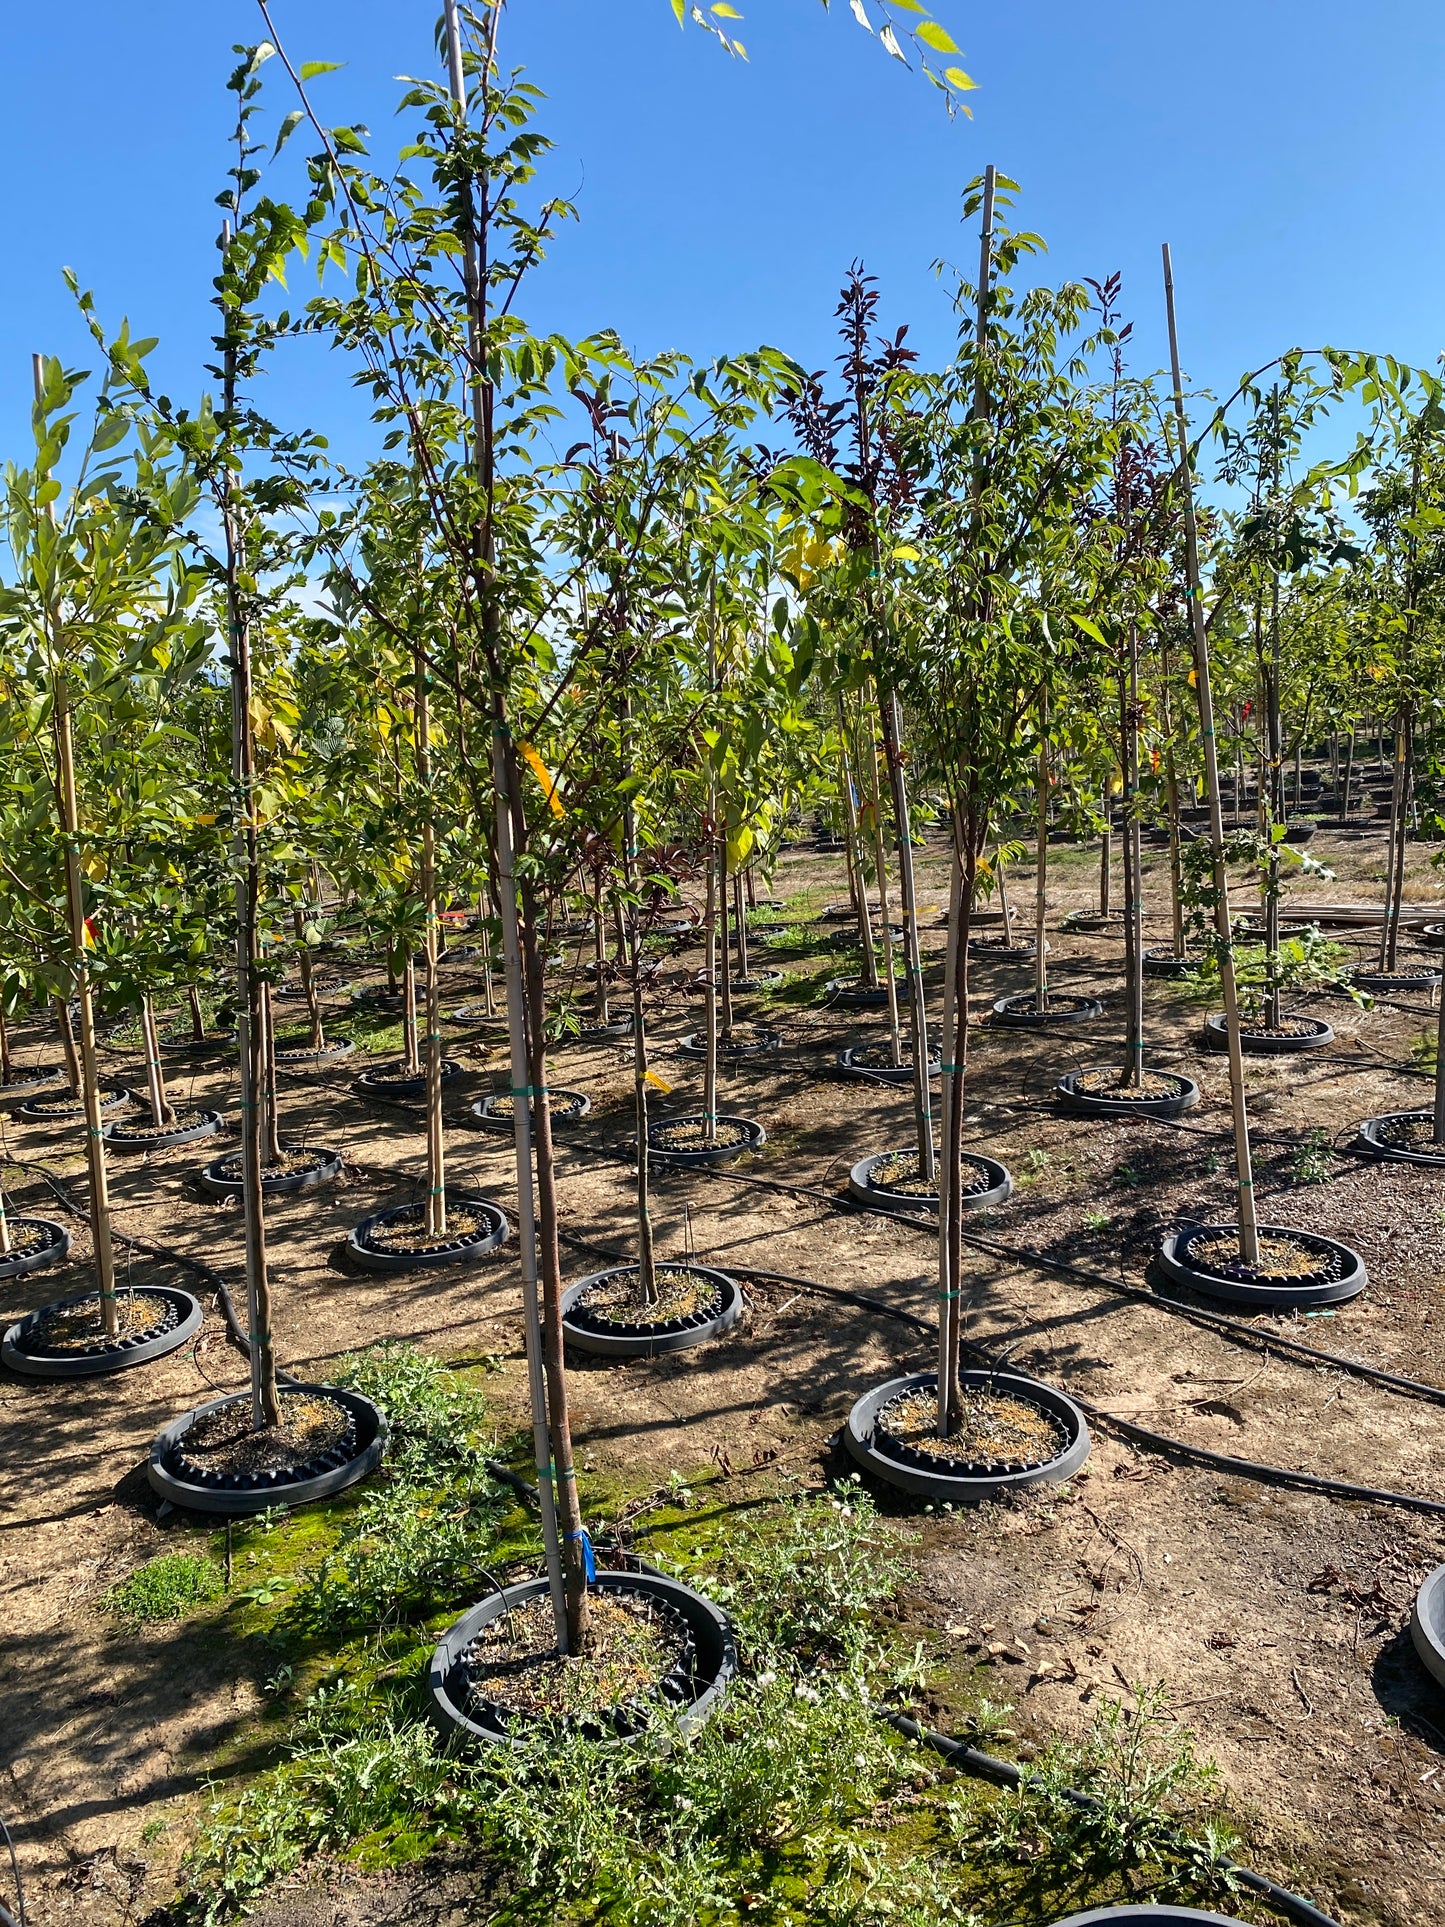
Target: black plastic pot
<point>601,1033</point>
<point>261,1492</point>
<point>326,1166</point>
<point>1433,934</point>
<point>456,953</point>
<point>113,1097</point>
<point>695,1045</point>
<point>302,1056</point>
<point>1352,1278</point>
<point>380,999</point>
<point>1299,833</point>
<point>994,950</point>
<point>1160,962</point>
<point>884,1073</point>
<point>760,980</point>
<point>1389,983</point>
<point>850,993</point>
<point>714,1658</point>
<point>1150,1913</point>
<point>384,1083</point>
<point>184,1045</point>
<point>566,1107</point>
<point>1370,1140</point>
<point>490,1236</point>
<point>707,1153</point>
<point>24,1083</point>
<point>1019,1014</point>
<point>152,1140</point>
<point>1095,923</point>
<point>995,1189</point>
<point>860,1436</point>
<point>21,1346</point>
<point>1259,1044</point>
<point>1427,1624</point>
<point>601,1339</point>
<point>1092,1104</point>
<point>54,1246</point>
<point>472,1014</point>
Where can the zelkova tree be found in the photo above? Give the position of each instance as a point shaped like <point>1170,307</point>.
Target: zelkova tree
<point>99,604</point>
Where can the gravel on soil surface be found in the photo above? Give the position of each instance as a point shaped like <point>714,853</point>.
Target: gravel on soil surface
<point>223,1441</point>
<point>691,1134</point>
<point>996,1428</point>
<point>292,1160</point>
<point>409,1233</point>
<point>78,1327</point>
<point>619,1299</point>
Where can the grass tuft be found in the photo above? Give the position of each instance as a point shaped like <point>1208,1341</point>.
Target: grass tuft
<point>167,1587</point>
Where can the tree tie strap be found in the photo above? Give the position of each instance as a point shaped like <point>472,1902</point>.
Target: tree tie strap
<point>530,1090</point>
<point>589,1561</point>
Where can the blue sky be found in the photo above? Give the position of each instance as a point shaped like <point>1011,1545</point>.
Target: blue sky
<point>1291,151</point>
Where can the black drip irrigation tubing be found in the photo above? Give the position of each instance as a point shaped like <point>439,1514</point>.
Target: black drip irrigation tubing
<point>1025,1254</point>
<point>987,1766</point>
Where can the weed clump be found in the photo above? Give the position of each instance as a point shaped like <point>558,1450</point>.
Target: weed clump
<point>167,1587</point>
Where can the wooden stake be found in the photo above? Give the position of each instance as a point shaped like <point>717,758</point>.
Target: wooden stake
<point>1248,1224</point>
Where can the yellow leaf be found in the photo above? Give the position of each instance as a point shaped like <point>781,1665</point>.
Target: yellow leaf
<point>932,35</point>
<point>1194,679</point>
<point>652,1077</point>
<point>725,12</point>
<point>907,553</point>
<point>544,777</point>
<point>958,80</point>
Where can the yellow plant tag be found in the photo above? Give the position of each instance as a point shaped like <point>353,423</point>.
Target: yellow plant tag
<point>544,777</point>
<point>652,1077</point>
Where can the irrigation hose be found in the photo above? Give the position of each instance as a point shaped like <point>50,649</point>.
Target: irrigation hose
<point>987,1766</point>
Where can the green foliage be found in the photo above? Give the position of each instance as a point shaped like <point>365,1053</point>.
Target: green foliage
<point>1312,1161</point>
<point>166,1587</point>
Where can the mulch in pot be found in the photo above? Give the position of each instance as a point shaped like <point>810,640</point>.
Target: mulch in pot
<point>1285,1258</point>
<point>690,1134</point>
<point>618,1298</point>
<point>1409,1131</point>
<point>77,1328</point>
<point>27,1235</point>
<point>1108,1082</point>
<point>640,1656</point>
<point>292,1160</point>
<point>405,1230</point>
<point>137,1126</point>
<point>999,1432</point>
<point>67,1104</point>
<point>222,1444</point>
<point>898,1171</point>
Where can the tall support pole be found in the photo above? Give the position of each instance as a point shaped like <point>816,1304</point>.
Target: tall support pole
<point>1248,1221</point>
<point>69,811</point>
<point>436,1173</point>
<point>912,957</point>
<point>1133,875</point>
<point>507,909</point>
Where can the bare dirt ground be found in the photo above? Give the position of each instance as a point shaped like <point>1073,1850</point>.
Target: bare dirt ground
<point>1277,1619</point>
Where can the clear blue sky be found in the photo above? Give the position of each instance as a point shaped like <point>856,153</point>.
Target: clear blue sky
<point>1291,150</point>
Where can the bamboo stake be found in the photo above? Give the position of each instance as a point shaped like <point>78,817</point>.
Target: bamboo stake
<point>950,1245</point>
<point>86,1075</point>
<point>858,882</point>
<point>880,862</point>
<point>506,894</point>
<point>1041,861</point>
<point>436,1170</point>
<point>1248,1223</point>
<point>912,958</point>
<point>161,1113</point>
<point>1133,875</point>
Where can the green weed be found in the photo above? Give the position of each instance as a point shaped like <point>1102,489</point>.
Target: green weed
<point>165,1588</point>
<point>1096,1220</point>
<point>1312,1161</point>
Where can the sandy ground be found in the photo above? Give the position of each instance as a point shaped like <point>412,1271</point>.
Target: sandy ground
<point>1277,1619</point>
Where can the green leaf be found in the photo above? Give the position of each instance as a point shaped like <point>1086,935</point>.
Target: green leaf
<point>958,80</point>
<point>288,127</point>
<point>679,7</point>
<point>311,68</point>
<point>932,35</point>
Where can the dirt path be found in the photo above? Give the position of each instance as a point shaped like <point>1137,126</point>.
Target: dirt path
<point>1277,1619</point>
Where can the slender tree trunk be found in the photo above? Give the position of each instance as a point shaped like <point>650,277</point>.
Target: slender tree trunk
<point>857,881</point>
<point>1399,832</point>
<point>912,956</point>
<point>955,1073</point>
<point>875,809</point>
<point>4,1054</point>
<point>436,1168</point>
<point>1133,877</point>
<point>410,1055</point>
<point>646,1260</point>
<point>308,981</point>
<point>1176,871</point>
<point>1106,856</point>
<point>198,1021</point>
<point>710,967</point>
<point>162,1116</point>
<point>270,1108</point>
<point>599,953</point>
<point>1005,912</point>
<point>1349,776</point>
<point>1248,1222</point>
<point>1272,810</point>
<point>67,1043</point>
<point>1041,866</point>
<point>725,974</point>
<point>740,918</point>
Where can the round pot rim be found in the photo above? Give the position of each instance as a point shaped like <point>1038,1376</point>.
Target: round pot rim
<point>481,1108</point>
<point>708,1153</point>
<point>1006,1010</point>
<point>1090,1103</point>
<point>494,1234</point>
<point>328,1165</point>
<point>1427,1623</point>
<point>116,1358</point>
<point>1216,1035</point>
<point>639,1344</point>
<point>236,1502</point>
<point>152,1140</point>
<point>56,1249</point>
<point>343,1047</point>
<point>1238,1291</point>
<point>885,1073</point>
<point>941,1487</point>
<point>695,1607</point>
<point>372,1083</point>
<point>695,1045</point>
<point>1397,1154</point>
<point>112,1096</point>
<point>998,1191</point>
<point>1150,1914</point>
